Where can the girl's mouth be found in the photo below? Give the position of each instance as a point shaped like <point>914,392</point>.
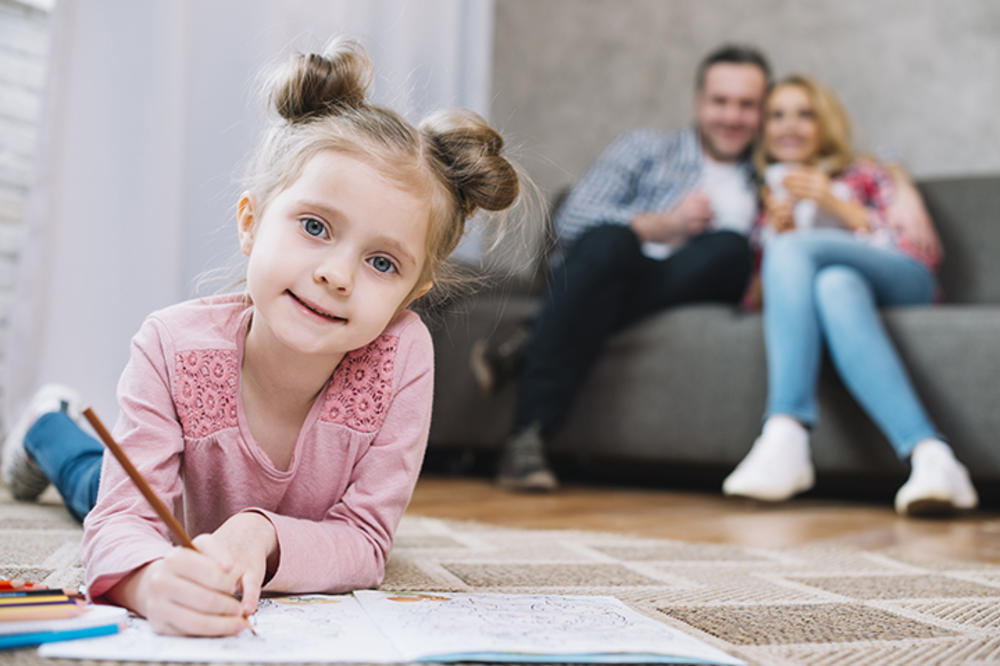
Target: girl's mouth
<point>313,309</point>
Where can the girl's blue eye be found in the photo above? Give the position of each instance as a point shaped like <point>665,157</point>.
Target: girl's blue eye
<point>313,227</point>
<point>383,264</point>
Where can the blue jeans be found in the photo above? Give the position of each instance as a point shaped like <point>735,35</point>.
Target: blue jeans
<point>825,285</point>
<point>69,457</point>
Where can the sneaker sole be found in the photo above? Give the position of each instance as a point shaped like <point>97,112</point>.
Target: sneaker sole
<point>538,482</point>
<point>930,507</point>
<point>806,483</point>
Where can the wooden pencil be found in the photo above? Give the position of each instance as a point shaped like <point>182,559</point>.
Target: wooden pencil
<point>161,509</point>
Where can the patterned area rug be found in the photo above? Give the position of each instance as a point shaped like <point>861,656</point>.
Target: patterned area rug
<point>809,605</point>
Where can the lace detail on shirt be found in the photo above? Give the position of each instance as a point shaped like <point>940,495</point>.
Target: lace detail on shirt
<point>358,396</point>
<point>207,388</point>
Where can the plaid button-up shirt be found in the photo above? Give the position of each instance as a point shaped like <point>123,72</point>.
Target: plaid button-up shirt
<point>640,171</point>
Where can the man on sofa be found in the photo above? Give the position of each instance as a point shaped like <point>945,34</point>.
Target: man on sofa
<point>660,219</point>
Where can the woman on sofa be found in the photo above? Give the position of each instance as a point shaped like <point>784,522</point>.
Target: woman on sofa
<point>832,259</point>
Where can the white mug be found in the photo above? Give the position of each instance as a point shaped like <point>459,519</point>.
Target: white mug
<point>805,209</point>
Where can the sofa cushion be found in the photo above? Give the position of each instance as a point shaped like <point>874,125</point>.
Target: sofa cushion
<point>966,212</point>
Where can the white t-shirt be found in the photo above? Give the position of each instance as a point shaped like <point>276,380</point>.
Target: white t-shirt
<point>734,203</point>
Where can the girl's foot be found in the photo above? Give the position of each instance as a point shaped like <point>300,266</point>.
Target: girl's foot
<point>938,483</point>
<point>778,465</point>
<point>22,476</point>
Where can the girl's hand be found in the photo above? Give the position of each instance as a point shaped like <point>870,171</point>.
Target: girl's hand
<point>187,593</point>
<point>804,182</point>
<point>250,541</point>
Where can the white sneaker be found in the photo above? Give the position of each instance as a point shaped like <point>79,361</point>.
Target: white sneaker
<point>938,483</point>
<point>778,465</point>
<point>21,475</point>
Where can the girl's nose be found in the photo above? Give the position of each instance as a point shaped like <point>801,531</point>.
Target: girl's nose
<point>336,273</point>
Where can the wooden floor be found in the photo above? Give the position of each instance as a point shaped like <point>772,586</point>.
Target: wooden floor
<point>711,518</point>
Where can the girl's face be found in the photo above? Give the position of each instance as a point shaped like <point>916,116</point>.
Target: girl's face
<point>791,130</point>
<point>334,257</point>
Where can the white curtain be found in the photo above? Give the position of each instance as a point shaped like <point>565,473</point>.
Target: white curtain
<point>149,116</point>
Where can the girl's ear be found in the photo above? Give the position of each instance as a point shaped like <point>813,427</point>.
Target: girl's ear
<point>246,220</point>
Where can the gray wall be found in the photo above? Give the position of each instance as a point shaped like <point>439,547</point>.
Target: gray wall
<point>920,78</point>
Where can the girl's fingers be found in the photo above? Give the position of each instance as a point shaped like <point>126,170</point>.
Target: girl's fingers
<point>251,591</point>
<point>180,605</point>
<point>183,621</point>
<point>201,570</point>
<point>190,594</point>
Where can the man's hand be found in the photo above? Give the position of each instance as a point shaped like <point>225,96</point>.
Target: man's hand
<point>691,216</point>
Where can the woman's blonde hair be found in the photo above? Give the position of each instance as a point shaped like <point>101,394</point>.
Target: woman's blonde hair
<point>453,155</point>
<point>834,153</point>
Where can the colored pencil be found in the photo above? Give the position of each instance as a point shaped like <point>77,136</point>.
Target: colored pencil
<point>39,637</point>
<point>92,616</point>
<point>158,506</point>
<point>41,612</point>
<point>38,592</point>
<point>32,601</point>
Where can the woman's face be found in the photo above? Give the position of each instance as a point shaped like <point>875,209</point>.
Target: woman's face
<point>791,130</point>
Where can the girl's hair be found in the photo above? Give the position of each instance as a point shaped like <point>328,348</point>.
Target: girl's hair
<point>453,156</point>
<point>834,153</point>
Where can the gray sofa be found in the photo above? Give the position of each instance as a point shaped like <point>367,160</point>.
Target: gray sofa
<point>682,392</point>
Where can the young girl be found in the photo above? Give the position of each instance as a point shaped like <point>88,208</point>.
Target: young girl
<point>286,426</point>
<point>827,270</point>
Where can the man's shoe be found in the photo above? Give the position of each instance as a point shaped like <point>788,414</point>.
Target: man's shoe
<point>22,476</point>
<point>522,463</point>
<point>498,359</point>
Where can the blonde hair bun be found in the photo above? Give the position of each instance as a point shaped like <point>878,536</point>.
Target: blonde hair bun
<point>314,85</point>
<point>468,150</point>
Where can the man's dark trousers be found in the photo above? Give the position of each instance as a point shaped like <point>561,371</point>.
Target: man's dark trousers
<point>603,284</point>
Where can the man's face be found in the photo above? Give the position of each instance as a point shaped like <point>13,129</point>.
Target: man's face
<point>728,109</point>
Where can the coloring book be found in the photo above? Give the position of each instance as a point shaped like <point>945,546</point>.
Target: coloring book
<point>381,627</point>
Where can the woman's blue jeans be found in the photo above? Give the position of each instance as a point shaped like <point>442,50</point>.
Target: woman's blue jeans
<point>826,286</point>
<point>69,457</point>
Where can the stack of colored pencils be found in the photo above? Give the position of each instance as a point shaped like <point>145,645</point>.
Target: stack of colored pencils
<point>31,614</point>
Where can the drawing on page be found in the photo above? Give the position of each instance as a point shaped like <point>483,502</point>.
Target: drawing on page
<point>510,618</point>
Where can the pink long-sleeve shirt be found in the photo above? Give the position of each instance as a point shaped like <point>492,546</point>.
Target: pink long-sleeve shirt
<point>181,422</point>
